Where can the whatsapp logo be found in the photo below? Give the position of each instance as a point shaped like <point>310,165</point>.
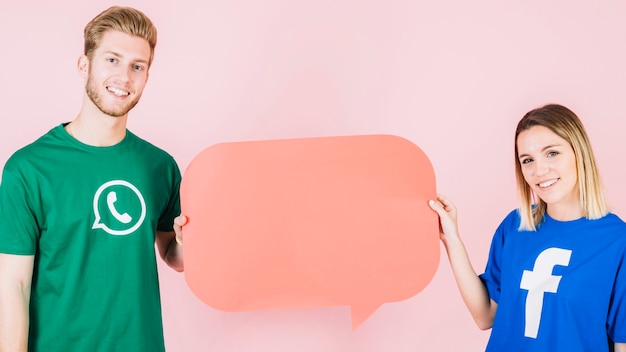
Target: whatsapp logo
<point>119,208</point>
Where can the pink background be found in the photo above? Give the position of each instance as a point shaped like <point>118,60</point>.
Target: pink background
<point>454,77</point>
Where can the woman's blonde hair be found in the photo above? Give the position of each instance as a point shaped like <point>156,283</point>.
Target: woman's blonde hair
<point>564,123</point>
<point>124,19</point>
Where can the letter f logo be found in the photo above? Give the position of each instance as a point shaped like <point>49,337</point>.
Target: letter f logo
<point>541,280</point>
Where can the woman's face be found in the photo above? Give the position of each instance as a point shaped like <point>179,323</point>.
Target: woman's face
<point>548,164</point>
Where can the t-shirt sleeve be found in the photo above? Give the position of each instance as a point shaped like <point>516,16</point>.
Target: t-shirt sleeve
<point>18,225</point>
<point>491,278</point>
<point>172,208</point>
<point>616,320</point>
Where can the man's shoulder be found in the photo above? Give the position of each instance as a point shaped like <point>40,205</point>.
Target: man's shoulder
<point>36,148</point>
<point>147,146</point>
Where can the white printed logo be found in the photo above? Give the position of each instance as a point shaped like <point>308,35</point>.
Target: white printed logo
<point>109,217</point>
<point>540,280</point>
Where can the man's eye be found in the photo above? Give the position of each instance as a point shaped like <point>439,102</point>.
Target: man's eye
<point>137,67</point>
<point>111,59</point>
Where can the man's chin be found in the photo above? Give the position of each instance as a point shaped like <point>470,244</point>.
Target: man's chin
<point>117,112</point>
<point>113,113</point>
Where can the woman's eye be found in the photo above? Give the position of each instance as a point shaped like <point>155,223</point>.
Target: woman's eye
<point>526,161</point>
<point>111,60</point>
<point>551,154</point>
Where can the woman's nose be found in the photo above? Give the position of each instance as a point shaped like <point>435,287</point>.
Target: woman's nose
<point>541,167</point>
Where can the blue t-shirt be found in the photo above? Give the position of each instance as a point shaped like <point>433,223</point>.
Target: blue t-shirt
<point>560,288</point>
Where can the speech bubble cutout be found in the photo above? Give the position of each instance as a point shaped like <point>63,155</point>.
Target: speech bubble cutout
<point>312,222</point>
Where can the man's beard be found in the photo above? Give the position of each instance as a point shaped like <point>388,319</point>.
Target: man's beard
<point>97,100</point>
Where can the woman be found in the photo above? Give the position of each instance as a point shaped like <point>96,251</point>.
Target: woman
<point>556,274</point>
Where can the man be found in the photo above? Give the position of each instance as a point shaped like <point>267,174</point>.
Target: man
<point>82,207</point>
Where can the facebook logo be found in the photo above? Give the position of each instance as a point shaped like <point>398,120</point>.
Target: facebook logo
<point>539,281</point>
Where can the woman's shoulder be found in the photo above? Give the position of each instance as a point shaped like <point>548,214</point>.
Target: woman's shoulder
<point>512,219</point>
<point>611,219</point>
<point>510,223</point>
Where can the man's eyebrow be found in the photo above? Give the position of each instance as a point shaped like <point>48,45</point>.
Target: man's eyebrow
<point>116,54</point>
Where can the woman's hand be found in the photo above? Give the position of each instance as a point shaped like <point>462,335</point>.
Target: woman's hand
<point>448,226</point>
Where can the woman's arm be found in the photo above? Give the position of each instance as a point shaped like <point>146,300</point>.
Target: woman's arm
<point>473,291</point>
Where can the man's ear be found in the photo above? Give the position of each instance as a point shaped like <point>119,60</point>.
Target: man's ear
<point>83,66</point>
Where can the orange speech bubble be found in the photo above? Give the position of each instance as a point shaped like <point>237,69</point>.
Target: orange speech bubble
<point>312,222</point>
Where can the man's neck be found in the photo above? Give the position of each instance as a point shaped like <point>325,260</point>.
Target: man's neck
<point>95,128</point>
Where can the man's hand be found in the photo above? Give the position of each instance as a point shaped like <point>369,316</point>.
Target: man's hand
<point>179,222</point>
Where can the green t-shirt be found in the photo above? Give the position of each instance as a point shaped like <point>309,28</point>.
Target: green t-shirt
<point>89,215</point>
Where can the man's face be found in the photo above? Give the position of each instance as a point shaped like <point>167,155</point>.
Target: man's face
<point>117,72</point>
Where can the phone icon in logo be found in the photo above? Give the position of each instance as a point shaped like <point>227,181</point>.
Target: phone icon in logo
<point>123,218</point>
<point>106,208</point>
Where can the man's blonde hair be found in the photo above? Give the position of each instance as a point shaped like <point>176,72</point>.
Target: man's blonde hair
<point>124,19</point>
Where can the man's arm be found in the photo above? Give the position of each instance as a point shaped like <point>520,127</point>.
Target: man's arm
<point>16,272</point>
<point>170,245</point>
